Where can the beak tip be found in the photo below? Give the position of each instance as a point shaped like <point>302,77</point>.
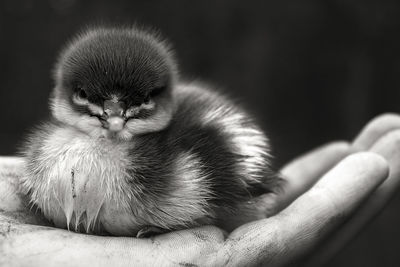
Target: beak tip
<point>116,124</point>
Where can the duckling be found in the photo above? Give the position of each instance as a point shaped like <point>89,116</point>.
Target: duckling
<point>131,149</point>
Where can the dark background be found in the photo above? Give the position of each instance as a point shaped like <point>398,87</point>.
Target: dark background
<point>313,71</point>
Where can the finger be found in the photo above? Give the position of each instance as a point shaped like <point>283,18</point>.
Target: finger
<point>10,161</point>
<point>389,147</point>
<point>290,234</point>
<point>11,169</point>
<point>13,204</point>
<point>303,172</point>
<point>375,129</point>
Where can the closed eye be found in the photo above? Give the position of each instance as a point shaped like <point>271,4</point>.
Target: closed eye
<point>80,94</point>
<point>154,93</point>
<point>101,118</point>
<point>158,90</point>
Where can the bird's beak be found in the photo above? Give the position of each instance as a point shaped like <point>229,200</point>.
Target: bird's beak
<point>114,111</point>
<point>114,108</point>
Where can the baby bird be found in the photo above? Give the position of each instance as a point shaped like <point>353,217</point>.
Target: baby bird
<point>131,150</point>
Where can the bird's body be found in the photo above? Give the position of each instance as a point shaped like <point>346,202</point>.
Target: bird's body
<point>186,157</point>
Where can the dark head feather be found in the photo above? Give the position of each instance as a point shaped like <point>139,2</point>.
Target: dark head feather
<point>128,62</point>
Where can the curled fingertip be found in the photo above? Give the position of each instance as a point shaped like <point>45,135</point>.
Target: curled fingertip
<point>389,140</point>
<point>340,146</point>
<point>369,162</point>
<point>388,116</point>
<point>374,129</point>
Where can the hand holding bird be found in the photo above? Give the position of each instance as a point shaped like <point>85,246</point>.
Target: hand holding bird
<point>307,227</point>
<point>133,150</point>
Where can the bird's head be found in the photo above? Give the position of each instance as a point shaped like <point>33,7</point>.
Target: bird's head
<point>115,83</point>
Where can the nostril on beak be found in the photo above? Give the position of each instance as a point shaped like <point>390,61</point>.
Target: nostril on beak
<point>112,108</point>
<point>114,119</point>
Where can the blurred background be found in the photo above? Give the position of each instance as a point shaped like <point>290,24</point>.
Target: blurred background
<point>312,71</point>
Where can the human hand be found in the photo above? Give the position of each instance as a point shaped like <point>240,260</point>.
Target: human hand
<point>316,202</point>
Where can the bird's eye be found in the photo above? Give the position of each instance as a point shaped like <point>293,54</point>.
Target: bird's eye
<point>80,97</point>
<point>147,99</point>
<point>81,93</point>
<point>158,90</point>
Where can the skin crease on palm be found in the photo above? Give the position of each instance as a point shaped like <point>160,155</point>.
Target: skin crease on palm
<point>332,192</point>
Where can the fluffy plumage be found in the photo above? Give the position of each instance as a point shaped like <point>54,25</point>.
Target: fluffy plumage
<point>130,146</point>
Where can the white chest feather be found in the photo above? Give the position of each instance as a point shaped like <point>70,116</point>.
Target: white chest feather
<point>81,183</point>
<point>78,177</point>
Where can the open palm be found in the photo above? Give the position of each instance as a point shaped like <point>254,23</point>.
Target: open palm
<point>331,192</point>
